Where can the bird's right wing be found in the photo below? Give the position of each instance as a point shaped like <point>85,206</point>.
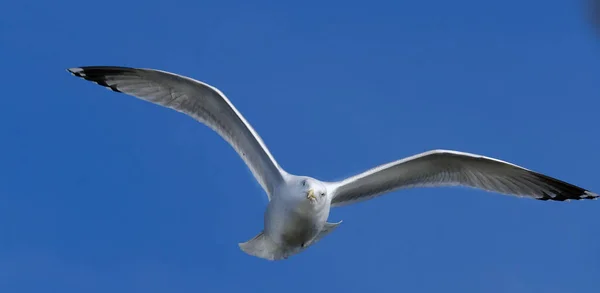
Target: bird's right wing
<point>452,168</point>
<point>199,100</point>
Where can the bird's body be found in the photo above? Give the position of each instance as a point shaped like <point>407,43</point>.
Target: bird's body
<point>298,209</point>
<point>289,224</point>
<point>291,219</point>
<point>295,218</point>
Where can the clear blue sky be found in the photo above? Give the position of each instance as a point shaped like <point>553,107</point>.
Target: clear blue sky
<point>101,192</point>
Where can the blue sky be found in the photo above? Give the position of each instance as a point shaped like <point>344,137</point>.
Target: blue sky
<point>101,192</point>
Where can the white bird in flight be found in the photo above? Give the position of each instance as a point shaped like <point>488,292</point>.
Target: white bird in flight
<point>298,209</point>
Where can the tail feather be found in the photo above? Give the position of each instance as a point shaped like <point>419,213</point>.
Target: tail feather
<point>264,247</point>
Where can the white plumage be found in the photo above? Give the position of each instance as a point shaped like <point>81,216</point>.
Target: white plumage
<point>298,209</point>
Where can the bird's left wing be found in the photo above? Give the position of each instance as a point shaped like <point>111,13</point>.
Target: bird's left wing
<point>199,100</point>
<point>452,168</point>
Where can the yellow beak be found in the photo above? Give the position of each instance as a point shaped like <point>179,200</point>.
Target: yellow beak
<point>311,195</point>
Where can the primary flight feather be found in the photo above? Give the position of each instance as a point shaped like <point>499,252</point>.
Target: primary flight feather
<point>298,209</point>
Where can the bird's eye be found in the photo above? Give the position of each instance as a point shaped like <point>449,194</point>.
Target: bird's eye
<point>303,182</point>
<point>322,193</point>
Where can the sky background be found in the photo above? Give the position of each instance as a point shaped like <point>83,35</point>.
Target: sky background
<point>101,192</point>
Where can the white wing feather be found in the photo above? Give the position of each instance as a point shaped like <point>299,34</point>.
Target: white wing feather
<point>199,100</point>
<point>452,168</point>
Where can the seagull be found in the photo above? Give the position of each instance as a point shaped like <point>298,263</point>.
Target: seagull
<point>297,212</point>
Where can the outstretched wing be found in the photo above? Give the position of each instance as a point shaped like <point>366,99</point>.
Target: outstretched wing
<point>199,100</point>
<point>451,168</point>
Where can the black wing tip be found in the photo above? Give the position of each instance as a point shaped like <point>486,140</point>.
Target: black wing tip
<point>98,74</point>
<point>562,191</point>
<point>100,70</point>
<point>568,195</point>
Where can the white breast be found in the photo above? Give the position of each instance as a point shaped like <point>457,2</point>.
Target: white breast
<point>292,220</point>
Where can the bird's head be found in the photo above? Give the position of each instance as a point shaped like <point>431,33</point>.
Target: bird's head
<point>312,190</point>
